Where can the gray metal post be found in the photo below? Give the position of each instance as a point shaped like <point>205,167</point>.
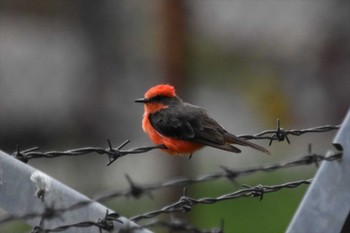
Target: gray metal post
<point>326,204</point>
<point>18,187</point>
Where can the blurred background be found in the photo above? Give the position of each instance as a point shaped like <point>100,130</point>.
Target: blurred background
<point>70,70</point>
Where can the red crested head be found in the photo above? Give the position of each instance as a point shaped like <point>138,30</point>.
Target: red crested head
<point>161,90</point>
<point>156,97</point>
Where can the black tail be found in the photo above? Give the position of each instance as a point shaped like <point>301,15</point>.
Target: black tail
<point>230,138</point>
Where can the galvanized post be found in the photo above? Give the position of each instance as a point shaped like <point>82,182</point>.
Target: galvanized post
<point>326,205</point>
<point>19,184</point>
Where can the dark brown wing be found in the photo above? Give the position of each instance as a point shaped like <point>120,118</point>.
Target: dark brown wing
<point>190,123</point>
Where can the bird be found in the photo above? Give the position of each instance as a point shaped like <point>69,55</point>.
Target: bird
<point>184,128</point>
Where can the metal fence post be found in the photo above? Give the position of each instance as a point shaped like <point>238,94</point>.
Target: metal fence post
<point>17,196</point>
<point>326,205</point>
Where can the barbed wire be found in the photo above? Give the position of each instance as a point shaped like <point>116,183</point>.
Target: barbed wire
<point>173,225</point>
<point>136,190</point>
<point>49,212</point>
<point>281,134</point>
<point>105,223</point>
<point>185,203</point>
<point>113,154</point>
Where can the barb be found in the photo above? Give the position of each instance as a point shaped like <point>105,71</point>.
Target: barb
<point>102,224</point>
<point>185,204</point>
<point>281,134</point>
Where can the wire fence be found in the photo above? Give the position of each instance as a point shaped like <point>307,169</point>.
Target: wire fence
<point>185,202</point>
<point>113,154</point>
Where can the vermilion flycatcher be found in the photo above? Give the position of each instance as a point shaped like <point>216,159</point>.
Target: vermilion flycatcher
<point>182,127</point>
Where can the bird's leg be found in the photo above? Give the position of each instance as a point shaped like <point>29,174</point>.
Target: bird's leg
<point>190,155</point>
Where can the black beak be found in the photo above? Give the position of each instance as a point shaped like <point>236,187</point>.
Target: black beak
<point>141,100</point>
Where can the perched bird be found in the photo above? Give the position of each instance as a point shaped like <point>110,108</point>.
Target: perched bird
<point>182,127</point>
